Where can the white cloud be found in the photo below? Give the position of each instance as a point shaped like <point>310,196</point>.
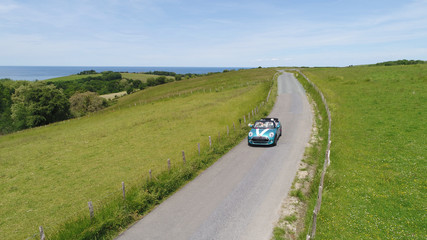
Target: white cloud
<point>172,32</point>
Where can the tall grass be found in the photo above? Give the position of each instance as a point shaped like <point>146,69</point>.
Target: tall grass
<point>48,174</point>
<point>375,187</point>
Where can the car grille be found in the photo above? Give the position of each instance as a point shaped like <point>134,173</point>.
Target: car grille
<point>260,139</point>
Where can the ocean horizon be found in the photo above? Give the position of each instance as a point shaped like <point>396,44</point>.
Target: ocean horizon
<point>33,73</point>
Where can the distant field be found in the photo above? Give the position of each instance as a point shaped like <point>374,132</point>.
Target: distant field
<point>141,76</point>
<point>113,95</point>
<point>134,76</point>
<point>72,77</point>
<point>375,187</point>
<point>48,174</point>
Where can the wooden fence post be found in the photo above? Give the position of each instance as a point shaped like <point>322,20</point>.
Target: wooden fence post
<point>91,214</point>
<point>149,171</point>
<point>313,228</point>
<point>244,119</point>
<point>42,235</point>
<point>198,147</point>
<point>210,141</point>
<point>124,190</point>
<point>169,164</point>
<point>183,157</point>
<point>234,126</point>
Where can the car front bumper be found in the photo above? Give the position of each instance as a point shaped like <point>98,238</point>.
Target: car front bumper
<point>260,141</point>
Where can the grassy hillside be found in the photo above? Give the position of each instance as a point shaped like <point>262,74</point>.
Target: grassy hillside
<point>48,174</point>
<point>375,187</point>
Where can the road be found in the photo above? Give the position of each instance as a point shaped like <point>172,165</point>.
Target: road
<point>238,197</point>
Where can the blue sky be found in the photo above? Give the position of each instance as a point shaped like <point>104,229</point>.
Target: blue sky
<point>220,33</point>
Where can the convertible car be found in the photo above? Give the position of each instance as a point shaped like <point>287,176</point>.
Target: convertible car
<point>265,131</point>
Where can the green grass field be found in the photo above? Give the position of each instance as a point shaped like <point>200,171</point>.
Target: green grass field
<point>375,187</point>
<point>141,76</point>
<point>134,76</point>
<point>72,77</point>
<point>48,174</point>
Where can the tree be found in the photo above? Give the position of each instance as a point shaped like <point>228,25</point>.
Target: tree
<point>83,103</point>
<point>38,104</point>
<point>5,111</point>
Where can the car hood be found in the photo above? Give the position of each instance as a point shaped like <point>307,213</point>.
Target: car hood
<point>262,132</point>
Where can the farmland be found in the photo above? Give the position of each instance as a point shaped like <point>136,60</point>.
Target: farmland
<point>375,187</point>
<point>141,76</point>
<point>48,174</point>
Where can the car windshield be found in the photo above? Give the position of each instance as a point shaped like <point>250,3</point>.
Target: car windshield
<point>263,125</point>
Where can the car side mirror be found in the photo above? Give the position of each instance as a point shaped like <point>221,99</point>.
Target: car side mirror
<point>250,125</point>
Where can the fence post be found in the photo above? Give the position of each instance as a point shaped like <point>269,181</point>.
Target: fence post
<point>228,130</point>
<point>124,190</point>
<point>210,141</point>
<point>234,126</point>
<point>198,147</point>
<point>91,214</point>
<point>149,171</point>
<point>313,228</point>
<point>319,199</point>
<point>244,119</point>
<point>42,235</point>
<point>169,164</point>
<point>183,156</point>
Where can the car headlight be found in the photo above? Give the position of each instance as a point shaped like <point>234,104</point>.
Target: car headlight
<point>250,134</point>
<point>271,135</point>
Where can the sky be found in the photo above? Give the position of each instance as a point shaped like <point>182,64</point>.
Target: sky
<point>218,33</point>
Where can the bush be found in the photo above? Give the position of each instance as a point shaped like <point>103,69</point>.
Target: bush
<point>38,104</point>
<point>83,103</point>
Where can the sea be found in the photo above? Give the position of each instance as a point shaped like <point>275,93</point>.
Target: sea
<point>33,73</point>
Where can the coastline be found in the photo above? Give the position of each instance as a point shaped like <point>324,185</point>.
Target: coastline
<point>33,73</point>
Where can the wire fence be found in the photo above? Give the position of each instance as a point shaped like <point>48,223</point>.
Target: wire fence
<point>326,163</point>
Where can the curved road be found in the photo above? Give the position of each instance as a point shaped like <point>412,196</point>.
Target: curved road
<point>238,197</point>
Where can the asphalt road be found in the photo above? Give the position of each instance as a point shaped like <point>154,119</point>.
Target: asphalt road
<point>238,197</point>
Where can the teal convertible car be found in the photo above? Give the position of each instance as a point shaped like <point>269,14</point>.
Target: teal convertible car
<point>265,131</point>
